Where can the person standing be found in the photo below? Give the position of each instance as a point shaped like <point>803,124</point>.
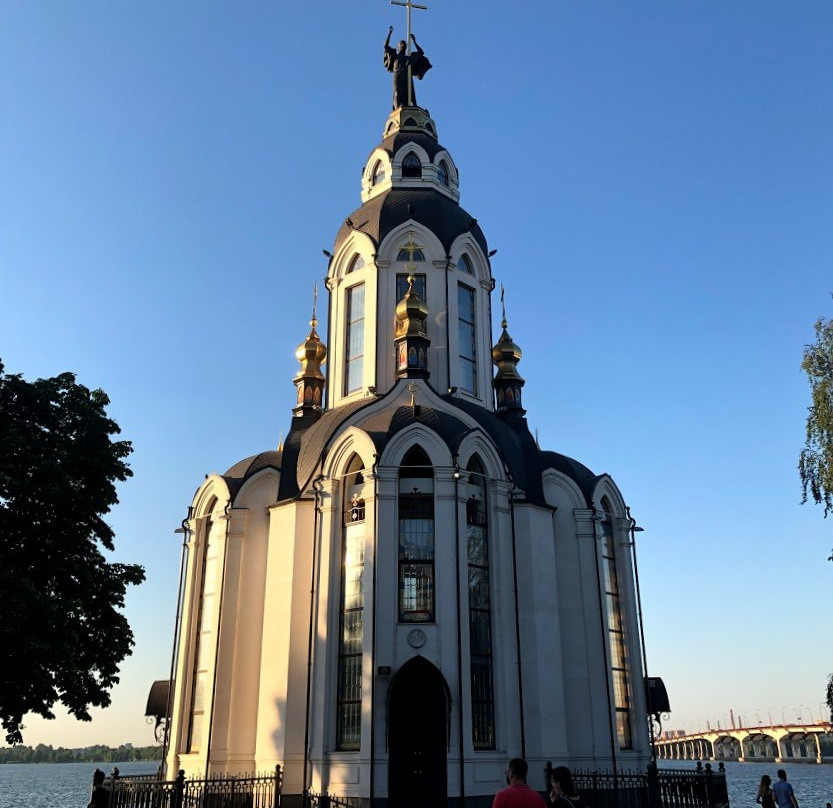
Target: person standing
<point>99,797</point>
<point>562,791</point>
<point>784,794</point>
<point>518,794</point>
<point>765,797</point>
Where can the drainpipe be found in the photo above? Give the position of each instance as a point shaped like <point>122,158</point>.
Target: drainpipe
<point>219,630</point>
<point>517,622</point>
<point>459,630</point>
<point>633,529</point>
<point>610,712</point>
<point>185,530</point>
<point>373,632</point>
<point>316,484</point>
<point>447,319</point>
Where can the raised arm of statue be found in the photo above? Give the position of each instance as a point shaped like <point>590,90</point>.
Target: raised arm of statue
<point>389,54</point>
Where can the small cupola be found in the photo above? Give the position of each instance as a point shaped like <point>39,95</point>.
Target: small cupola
<point>507,382</point>
<point>410,335</point>
<point>312,354</point>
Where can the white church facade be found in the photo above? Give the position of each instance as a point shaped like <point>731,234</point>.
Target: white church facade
<point>409,591</point>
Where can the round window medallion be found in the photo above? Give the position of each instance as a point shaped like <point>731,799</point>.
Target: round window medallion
<point>416,638</point>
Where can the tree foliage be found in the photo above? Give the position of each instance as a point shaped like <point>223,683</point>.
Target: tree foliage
<point>62,637</point>
<point>829,694</point>
<point>815,464</point>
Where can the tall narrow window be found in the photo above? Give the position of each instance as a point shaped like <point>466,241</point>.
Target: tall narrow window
<point>416,538</point>
<point>351,624</point>
<point>442,173</point>
<point>466,338</point>
<point>202,638</point>
<point>616,633</point>
<point>354,340</point>
<point>480,620</point>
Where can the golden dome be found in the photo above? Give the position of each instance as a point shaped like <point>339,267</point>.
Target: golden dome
<point>411,312</point>
<point>311,353</point>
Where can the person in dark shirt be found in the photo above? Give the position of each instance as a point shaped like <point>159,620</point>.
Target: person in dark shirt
<point>562,791</point>
<point>100,796</point>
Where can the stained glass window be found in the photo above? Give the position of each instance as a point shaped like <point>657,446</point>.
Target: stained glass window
<point>416,538</point>
<point>351,621</point>
<point>480,623</point>
<point>617,645</point>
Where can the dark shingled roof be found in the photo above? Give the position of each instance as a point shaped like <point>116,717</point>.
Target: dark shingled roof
<point>443,216</point>
<point>577,472</point>
<point>305,444</point>
<point>515,443</point>
<point>249,466</point>
<point>308,439</point>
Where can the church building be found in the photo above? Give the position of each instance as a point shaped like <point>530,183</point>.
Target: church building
<point>409,591</point>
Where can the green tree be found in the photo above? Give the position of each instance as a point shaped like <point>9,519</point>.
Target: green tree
<point>815,464</point>
<point>62,637</point>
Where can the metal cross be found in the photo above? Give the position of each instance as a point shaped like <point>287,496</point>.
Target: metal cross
<point>409,5</point>
<point>314,321</point>
<point>411,246</point>
<point>502,307</point>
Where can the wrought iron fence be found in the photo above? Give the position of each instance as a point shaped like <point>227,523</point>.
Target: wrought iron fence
<point>664,788</point>
<point>221,791</point>
<point>313,799</point>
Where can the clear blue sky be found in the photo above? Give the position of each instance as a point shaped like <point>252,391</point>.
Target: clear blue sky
<point>656,176</point>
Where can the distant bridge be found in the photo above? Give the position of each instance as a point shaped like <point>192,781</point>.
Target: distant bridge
<point>781,743</point>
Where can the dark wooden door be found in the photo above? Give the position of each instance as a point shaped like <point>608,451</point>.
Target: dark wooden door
<point>418,737</point>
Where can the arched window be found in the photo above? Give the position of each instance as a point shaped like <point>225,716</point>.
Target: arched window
<point>464,265</point>
<point>411,166</point>
<point>353,499</point>
<point>204,622</point>
<point>354,340</point>
<point>617,646</point>
<point>357,262</point>
<point>416,538</point>
<point>378,173</point>
<point>467,336</point>
<point>351,612</point>
<point>442,173</point>
<point>480,607</point>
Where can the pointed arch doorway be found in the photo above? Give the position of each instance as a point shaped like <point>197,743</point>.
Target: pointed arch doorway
<point>419,707</point>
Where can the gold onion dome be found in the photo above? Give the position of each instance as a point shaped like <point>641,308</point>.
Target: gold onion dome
<point>311,353</point>
<point>411,312</point>
<point>506,354</point>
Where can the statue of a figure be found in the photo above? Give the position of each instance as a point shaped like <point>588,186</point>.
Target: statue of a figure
<point>397,62</point>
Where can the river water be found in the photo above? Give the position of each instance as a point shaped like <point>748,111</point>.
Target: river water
<point>67,785</point>
<point>812,782</point>
<point>56,785</point>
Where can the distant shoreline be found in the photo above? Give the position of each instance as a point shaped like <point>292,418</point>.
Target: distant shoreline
<point>98,753</point>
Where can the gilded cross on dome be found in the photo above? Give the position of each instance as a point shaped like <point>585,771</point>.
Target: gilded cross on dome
<point>411,247</point>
